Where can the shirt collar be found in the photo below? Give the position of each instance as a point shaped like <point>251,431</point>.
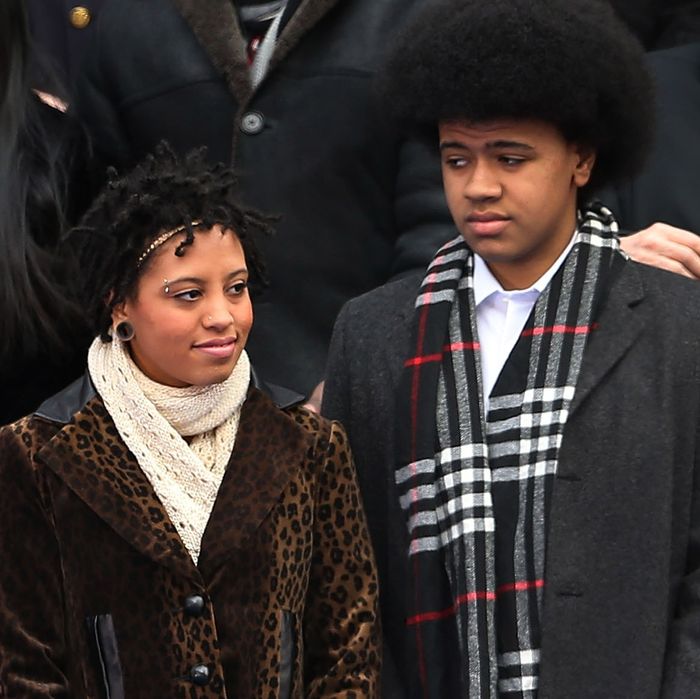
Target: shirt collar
<point>485,284</point>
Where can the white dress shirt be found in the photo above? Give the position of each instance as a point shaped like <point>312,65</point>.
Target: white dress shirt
<point>501,316</point>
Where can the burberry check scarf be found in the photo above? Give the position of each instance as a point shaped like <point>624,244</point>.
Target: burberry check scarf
<point>477,489</point>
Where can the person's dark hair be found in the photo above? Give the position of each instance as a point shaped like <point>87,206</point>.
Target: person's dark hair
<point>161,193</point>
<point>571,63</point>
<point>34,310</point>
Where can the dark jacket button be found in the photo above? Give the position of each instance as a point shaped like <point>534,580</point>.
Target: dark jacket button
<point>199,675</point>
<point>252,123</point>
<point>194,605</point>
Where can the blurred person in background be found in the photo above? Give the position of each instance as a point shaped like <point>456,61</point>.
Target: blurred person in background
<point>42,338</point>
<point>661,23</point>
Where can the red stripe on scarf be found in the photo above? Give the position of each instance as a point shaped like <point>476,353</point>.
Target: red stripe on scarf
<point>519,586</point>
<point>454,347</point>
<point>560,330</point>
<point>450,611</point>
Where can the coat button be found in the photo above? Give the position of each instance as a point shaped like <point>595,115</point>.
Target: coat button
<point>194,605</point>
<point>199,675</point>
<point>252,123</point>
<point>80,17</point>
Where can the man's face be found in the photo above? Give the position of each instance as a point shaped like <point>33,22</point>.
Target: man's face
<point>511,188</point>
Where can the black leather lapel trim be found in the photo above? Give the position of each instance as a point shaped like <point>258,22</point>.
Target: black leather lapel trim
<point>286,653</point>
<point>282,397</point>
<point>104,637</point>
<point>63,405</point>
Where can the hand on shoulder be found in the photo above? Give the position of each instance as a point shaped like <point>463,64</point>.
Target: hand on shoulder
<point>666,247</point>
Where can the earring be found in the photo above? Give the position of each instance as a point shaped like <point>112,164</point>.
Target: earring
<point>166,286</point>
<point>124,331</point>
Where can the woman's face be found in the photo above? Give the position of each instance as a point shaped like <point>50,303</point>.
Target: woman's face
<point>192,314</point>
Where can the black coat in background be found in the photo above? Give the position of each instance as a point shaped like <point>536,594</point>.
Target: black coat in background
<point>661,23</point>
<point>59,45</point>
<point>657,23</point>
<point>668,190</point>
<point>357,203</point>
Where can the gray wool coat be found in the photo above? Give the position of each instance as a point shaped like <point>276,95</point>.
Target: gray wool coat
<point>622,599</point>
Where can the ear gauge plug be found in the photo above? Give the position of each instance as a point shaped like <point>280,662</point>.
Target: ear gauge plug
<point>124,331</point>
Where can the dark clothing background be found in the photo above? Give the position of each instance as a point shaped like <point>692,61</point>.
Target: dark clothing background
<point>357,203</point>
<point>29,377</point>
<point>661,23</point>
<point>621,608</point>
<point>668,188</point>
<point>658,24</point>
<point>59,45</point>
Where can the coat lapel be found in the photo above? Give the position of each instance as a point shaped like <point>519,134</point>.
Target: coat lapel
<point>621,321</point>
<point>215,24</point>
<point>93,461</point>
<point>270,449</point>
<point>309,13</point>
<point>398,334</point>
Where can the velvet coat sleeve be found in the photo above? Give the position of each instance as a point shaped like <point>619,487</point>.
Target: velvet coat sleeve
<point>341,619</point>
<point>32,643</point>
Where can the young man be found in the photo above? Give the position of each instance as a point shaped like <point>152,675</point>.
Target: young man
<point>524,417</point>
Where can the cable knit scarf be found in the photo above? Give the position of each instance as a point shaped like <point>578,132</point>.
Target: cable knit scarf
<point>477,488</point>
<point>153,420</point>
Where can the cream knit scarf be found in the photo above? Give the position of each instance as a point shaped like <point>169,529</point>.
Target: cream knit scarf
<point>153,420</point>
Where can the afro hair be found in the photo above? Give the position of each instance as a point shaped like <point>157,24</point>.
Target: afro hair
<point>571,63</point>
<point>163,192</point>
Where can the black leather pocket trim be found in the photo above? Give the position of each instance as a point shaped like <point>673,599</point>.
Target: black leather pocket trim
<point>286,653</point>
<point>104,638</point>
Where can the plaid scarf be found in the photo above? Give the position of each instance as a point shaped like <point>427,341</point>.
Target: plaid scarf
<point>477,489</point>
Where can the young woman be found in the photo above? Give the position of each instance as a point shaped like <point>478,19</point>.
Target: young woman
<point>42,343</point>
<point>169,528</point>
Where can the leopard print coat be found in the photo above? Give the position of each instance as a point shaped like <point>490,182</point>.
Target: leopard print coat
<point>100,599</point>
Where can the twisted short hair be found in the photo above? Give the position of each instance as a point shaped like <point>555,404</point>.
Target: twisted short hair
<point>163,192</point>
<point>571,63</point>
